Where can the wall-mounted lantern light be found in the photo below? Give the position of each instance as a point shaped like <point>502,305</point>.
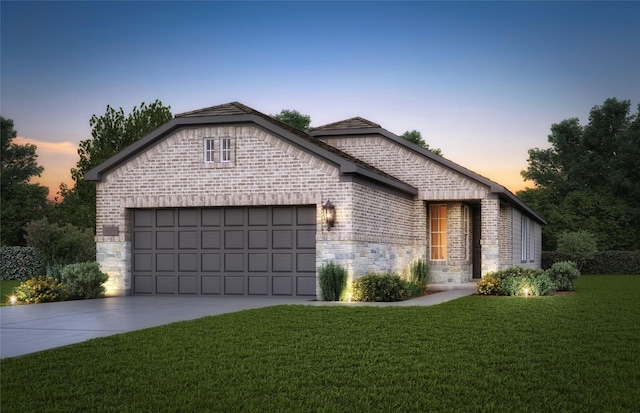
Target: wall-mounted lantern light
<point>329,214</point>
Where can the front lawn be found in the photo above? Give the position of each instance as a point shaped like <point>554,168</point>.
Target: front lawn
<point>575,353</point>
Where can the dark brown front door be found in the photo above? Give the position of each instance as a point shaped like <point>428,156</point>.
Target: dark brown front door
<point>477,247</point>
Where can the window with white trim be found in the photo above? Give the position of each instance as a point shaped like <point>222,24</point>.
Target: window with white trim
<point>225,149</point>
<point>438,218</point>
<point>209,150</point>
<point>532,241</point>
<point>524,238</point>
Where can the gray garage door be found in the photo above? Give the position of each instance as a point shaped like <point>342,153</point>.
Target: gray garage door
<point>225,251</point>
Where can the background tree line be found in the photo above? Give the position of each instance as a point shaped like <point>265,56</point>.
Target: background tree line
<point>589,179</point>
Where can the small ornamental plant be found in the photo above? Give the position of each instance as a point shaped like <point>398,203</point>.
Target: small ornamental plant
<point>41,289</point>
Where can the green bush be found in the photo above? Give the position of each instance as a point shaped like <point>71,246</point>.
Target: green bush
<point>563,274</point>
<point>41,290</point>
<point>20,263</point>
<point>333,281</point>
<point>602,262</point>
<point>513,281</point>
<point>61,245</point>
<point>380,287</point>
<point>83,280</point>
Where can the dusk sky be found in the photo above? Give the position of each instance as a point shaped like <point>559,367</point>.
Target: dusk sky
<point>483,81</point>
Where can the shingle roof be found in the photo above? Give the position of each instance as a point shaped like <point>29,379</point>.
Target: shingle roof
<point>233,108</point>
<point>353,123</point>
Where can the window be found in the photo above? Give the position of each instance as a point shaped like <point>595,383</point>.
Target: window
<point>438,214</point>
<point>208,150</point>
<point>225,149</point>
<point>524,238</point>
<point>532,241</point>
<point>465,229</point>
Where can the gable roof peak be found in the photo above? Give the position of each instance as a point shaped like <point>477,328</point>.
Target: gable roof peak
<point>231,108</point>
<point>352,123</point>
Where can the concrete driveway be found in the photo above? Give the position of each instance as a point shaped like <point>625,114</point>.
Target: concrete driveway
<point>31,328</point>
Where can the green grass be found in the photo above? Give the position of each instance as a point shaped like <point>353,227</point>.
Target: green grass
<point>6,290</point>
<point>578,353</point>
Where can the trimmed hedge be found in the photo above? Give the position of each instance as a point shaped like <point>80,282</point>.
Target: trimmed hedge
<point>20,263</point>
<point>603,262</point>
<point>375,287</point>
<point>333,281</point>
<point>83,280</point>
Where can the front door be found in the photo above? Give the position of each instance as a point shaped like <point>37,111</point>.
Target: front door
<point>477,247</point>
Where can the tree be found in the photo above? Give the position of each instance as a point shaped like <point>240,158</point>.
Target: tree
<point>110,133</point>
<point>21,202</point>
<point>415,136</point>
<point>295,119</point>
<point>588,178</point>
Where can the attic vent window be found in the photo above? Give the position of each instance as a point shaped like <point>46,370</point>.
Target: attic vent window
<point>225,149</point>
<point>208,150</point>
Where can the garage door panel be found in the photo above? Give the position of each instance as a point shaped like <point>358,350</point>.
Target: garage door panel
<point>234,239</point>
<point>143,240</point>
<point>282,216</point>
<point>258,239</point>
<point>210,239</point>
<point>234,216</point>
<point>306,215</point>
<point>187,240</point>
<point>282,262</point>
<point>187,284</point>
<point>211,217</point>
<point>165,262</point>
<point>306,285</point>
<point>188,262</point>
<point>282,285</point>
<point>224,250</point>
<point>282,238</point>
<point>188,217</point>
<point>165,218</point>
<point>211,284</point>
<point>142,262</point>
<point>306,238</point>
<point>258,262</point>
<point>258,216</point>
<point>234,285</point>
<point>306,262</point>
<point>165,240</point>
<point>234,262</point>
<point>165,284</point>
<point>258,285</point>
<point>143,218</point>
<point>210,262</point>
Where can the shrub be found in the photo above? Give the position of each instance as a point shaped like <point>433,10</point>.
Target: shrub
<point>61,245</point>
<point>602,262</point>
<point>20,263</point>
<point>333,281</point>
<point>577,246</point>
<point>513,281</point>
<point>490,284</point>
<point>41,290</point>
<point>563,274</point>
<point>83,280</point>
<point>380,287</point>
<point>420,272</point>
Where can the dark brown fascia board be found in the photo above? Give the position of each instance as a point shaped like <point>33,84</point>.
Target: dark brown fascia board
<point>494,187</point>
<point>345,166</point>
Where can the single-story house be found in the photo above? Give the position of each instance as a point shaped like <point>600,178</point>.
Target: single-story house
<point>229,201</point>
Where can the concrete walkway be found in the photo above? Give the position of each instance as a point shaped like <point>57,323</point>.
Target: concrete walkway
<point>26,329</point>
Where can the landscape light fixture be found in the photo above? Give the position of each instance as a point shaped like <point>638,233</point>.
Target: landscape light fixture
<point>329,213</point>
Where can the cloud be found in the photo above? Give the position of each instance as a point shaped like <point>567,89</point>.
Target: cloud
<point>57,158</point>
